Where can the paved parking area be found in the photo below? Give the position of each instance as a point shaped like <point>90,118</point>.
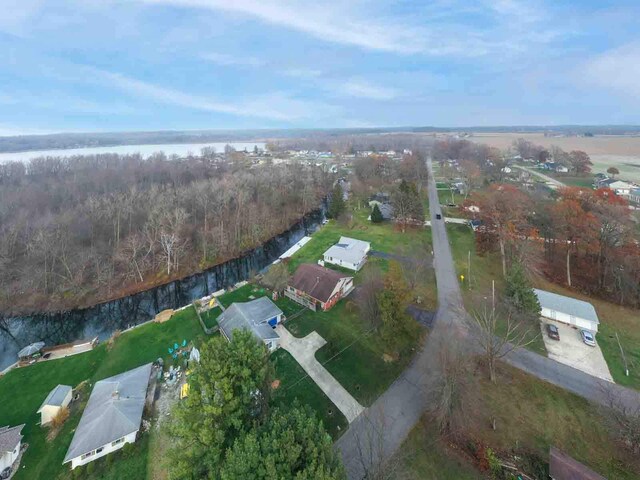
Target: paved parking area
<point>572,351</point>
<point>304,351</point>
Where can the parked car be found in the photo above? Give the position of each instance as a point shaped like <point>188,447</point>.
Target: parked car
<point>588,338</point>
<point>552,332</point>
<point>438,216</point>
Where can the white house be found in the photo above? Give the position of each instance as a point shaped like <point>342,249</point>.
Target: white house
<point>58,398</point>
<point>568,310</point>
<point>259,316</point>
<point>562,169</point>
<point>10,443</point>
<point>112,416</point>
<point>348,253</point>
<point>620,187</point>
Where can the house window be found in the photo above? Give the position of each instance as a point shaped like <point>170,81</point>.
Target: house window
<point>86,455</point>
<point>99,450</point>
<point>120,440</point>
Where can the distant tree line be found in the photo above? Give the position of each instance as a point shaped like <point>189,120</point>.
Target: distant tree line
<point>81,229</point>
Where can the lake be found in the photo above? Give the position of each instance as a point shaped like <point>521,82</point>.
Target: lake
<point>180,149</point>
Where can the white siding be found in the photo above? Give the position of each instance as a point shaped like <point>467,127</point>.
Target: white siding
<point>7,459</point>
<point>48,412</point>
<point>570,319</point>
<point>106,449</point>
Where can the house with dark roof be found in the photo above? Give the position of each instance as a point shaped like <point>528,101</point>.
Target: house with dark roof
<point>318,287</point>
<point>259,316</point>
<point>112,416</point>
<point>58,398</point>
<point>568,310</point>
<point>10,443</point>
<point>563,467</point>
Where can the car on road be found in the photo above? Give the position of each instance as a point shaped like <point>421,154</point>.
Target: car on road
<point>438,216</point>
<point>588,338</point>
<point>552,332</point>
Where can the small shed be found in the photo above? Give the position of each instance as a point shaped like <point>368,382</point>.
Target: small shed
<point>568,310</point>
<point>58,398</point>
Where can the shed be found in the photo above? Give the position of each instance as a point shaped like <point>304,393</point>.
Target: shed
<point>58,398</point>
<point>568,310</point>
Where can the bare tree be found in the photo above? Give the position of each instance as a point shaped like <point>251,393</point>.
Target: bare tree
<point>367,296</point>
<point>623,418</point>
<point>499,335</point>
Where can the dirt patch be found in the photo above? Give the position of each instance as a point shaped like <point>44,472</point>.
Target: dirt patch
<point>275,384</point>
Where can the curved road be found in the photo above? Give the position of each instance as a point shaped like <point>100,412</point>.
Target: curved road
<point>378,432</point>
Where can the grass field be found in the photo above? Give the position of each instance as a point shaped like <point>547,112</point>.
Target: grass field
<point>530,416</point>
<point>585,181</point>
<point>484,269</point>
<point>296,385</point>
<point>210,317</point>
<point>139,346</point>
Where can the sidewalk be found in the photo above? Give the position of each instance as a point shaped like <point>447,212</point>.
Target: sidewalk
<point>304,350</point>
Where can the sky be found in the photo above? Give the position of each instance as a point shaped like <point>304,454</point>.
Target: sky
<point>112,65</point>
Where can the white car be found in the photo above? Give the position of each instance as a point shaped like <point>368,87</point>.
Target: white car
<point>588,338</point>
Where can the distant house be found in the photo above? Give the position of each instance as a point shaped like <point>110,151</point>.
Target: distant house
<point>259,316</point>
<point>112,416</point>
<point>314,286</point>
<point>10,443</point>
<point>386,209</point>
<point>58,398</point>
<point>562,169</point>
<point>563,467</point>
<point>348,253</point>
<point>568,310</point>
<point>634,195</point>
<point>505,169</point>
<point>621,188</point>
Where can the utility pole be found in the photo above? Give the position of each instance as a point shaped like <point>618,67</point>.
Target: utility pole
<point>469,270</point>
<point>493,296</point>
<point>624,359</point>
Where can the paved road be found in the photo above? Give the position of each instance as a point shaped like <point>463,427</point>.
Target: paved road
<point>554,182</point>
<point>380,430</point>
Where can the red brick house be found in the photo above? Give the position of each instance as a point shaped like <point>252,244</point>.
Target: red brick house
<point>318,287</point>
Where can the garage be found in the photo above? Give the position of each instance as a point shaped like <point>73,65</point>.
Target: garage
<point>570,311</point>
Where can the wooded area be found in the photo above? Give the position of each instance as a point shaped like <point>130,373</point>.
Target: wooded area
<point>77,230</point>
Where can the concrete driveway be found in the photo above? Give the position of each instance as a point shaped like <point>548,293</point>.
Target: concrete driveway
<point>572,351</point>
<point>304,351</point>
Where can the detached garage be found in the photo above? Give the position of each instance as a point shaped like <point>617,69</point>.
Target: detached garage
<point>568,310</point>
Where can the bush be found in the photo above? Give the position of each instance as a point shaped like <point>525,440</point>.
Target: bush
<point>78,472</point>
<point>128,450</point>
<point>91,468</point>
<point>60,417</point>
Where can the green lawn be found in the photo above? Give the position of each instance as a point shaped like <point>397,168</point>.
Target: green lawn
<point>585,181</point>
<point>384,237</point>
<point>134,348</point>
<point>353,354</point>
<point>242,294</point>
<point>295,384</point>
<point>484,269</point>
<point>210,317</point>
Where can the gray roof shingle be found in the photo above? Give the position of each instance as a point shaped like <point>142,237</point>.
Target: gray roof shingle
<point>568,305</point>
<point>56,396</point>
<point>316,281</point>
<point>250,316</point>
<point>113,411</point>
<point>10,437</point>
<point>349,250</point>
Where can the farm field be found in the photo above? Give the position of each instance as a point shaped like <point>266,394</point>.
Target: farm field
<point>622,152</point>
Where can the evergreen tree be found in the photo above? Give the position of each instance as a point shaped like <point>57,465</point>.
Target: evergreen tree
<point>519,292</point>
<point>336,206</point>
<point>293,444</point>
<point>229,392</point>
<point>376,214</point>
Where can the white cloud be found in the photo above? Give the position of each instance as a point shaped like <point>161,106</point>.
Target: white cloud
<point>617,69</point>
<point>363,89</point>
<point>273,105</point>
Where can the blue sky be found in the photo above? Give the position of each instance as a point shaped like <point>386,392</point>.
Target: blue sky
<point>100,65</point>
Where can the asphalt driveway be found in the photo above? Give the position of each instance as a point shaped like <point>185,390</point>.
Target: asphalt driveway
<point>572,351</point>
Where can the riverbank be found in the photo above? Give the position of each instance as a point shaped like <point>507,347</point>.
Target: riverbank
<point>102,319</point>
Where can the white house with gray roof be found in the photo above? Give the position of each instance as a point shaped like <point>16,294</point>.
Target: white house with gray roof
<point>58,398</point>
<point>259,316</point>
<point>568,310</point>
<point>348,253</point>
<point>112,416</point>
<point>10,442</point>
